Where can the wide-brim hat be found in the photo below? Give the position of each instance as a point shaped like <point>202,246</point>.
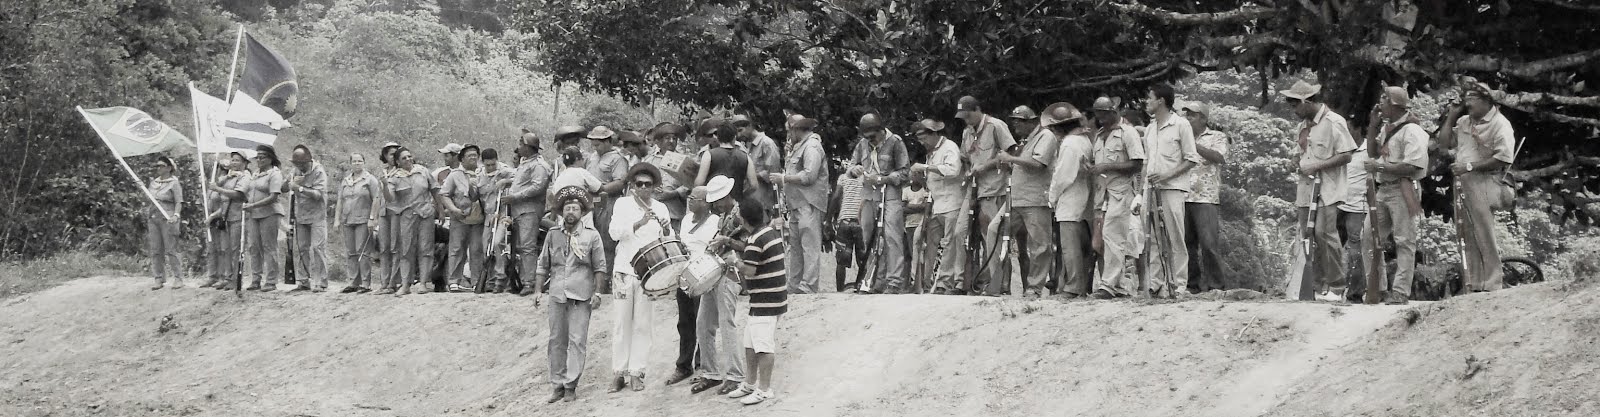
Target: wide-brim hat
<point>927,125</point>
<point>570,130</point>
<point>629,136</point>
<point>1060,113</point>
<point>1024,113</point>
<point>1104,104</point>
<point>601,132</point>
<point>739,120</point>
<point>804,123</point>
<point>718,188</point>
<point>644,169</point>
<point>573,193</point>
<point>708,126</point>
<point>1301,90</point>
<point>664,128</point>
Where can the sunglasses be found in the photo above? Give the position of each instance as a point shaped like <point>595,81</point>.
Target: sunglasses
<point>643,184</point>
<point>1291,100</point>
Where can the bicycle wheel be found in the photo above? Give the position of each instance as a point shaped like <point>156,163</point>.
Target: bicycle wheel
<point>1520,270</point>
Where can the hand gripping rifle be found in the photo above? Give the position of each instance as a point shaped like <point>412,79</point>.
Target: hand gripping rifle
<point>864,284</point>
<point>482,283</point>
<point>288,261</point>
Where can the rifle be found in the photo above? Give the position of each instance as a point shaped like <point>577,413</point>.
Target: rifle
<point>288,261</point>
<point>974,243</point>
<point>864,284</point>
<point>488,250</point>
<point>1298,288</point>
<point>1373,268</point>
<point>238,266</point>
<point>1157,246</point>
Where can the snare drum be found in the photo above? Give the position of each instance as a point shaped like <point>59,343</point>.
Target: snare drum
<point>662,252</point>
<point>702,274</point>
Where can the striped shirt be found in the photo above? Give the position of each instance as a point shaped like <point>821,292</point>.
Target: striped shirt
<point>769,290</point>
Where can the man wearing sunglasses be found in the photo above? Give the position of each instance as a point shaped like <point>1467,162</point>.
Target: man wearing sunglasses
<point>1325,144</point>
<point>637,219</point>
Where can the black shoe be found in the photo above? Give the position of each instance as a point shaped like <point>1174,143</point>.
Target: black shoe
<point>570,396</point>
<point>556,396</point>
<point>363,290</point>
<point>1102,295</point>
<point>348,290</point>
<point>300,289</point>
<point>620,382</point>
<point>678,376</point>
<point>703,385</point>
<point>1394,298</point>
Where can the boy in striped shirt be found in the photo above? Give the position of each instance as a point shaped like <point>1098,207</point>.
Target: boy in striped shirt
<point>769,292</point>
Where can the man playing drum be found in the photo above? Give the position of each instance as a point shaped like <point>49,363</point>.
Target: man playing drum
<point>637,220</point>
<point>720,359</point>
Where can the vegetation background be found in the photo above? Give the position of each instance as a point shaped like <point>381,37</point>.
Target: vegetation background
<point>427,72</point>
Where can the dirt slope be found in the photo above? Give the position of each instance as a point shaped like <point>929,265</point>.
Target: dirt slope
<point>93,347</point>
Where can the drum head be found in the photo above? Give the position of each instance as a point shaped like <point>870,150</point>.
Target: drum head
<point>664,281</point>
<point>703,272</point>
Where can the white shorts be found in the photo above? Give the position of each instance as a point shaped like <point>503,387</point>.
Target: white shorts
<point>760,334</point>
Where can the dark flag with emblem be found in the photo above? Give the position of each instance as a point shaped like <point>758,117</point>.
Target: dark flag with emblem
<point>268,78</point>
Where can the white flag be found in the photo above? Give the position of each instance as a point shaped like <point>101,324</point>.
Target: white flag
<point>210,114</point>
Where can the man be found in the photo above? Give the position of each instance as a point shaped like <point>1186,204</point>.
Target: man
<point>727,160</point>
<point>944,218</point>
<point>1030,186</point>
<point>880,160</point>
<point>1483,140</point>
<point>984,139</point>
<point>568,136</point>
<point>1402,159</point>
<point>671,194</point>
<point>804,183</point>
<point>1118,158</point>
<point>1069,196</point>
<point>763,264</point>
<point>573,261</point>
<point>1325,145</point>
<point>915,197</point>
<point>1170,154</point>
<point>526,193</point>
<point>1352,220</point>
<point>491,195</point>
<point>764,156</point>
<point>309,187</point>
<point>609,167</point>
<point>459,200</point>
<point>721,360</point>
<point>637,219</point>
<point>451,153</point>
<point>674,188</point>
<point>1202,234</point>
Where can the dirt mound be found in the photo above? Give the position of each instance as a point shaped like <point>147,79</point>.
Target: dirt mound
<point>108,346</point>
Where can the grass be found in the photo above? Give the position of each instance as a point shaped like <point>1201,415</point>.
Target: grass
<point>24,277</point>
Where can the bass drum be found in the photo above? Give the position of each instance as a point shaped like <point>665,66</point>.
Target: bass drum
<point>665,280</point>
<point>703,272</point>
<point>658,254</point>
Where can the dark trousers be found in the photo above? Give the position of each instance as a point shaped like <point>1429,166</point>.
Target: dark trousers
<point>1203,236</point>
<point>688,308</point>
<point>1350,228</point>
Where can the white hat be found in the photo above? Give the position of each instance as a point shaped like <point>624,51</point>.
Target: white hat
<point>451,148</point>
<point>718,188</point>
<point>1301,90</point>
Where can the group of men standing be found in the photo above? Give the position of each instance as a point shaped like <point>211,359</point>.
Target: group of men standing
<point>1096,206</point>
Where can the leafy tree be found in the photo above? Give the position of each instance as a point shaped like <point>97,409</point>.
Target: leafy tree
<point>836,59</point>
<point>61,188</point>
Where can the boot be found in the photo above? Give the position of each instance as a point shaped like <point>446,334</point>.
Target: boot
<point>618,383</point>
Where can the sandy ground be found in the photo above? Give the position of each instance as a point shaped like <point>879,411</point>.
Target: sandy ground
<point>109,346</point>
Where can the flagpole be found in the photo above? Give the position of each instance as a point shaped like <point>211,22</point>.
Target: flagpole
<point>125,166</point>
<point>199,162</point>
<point>237,40</point>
